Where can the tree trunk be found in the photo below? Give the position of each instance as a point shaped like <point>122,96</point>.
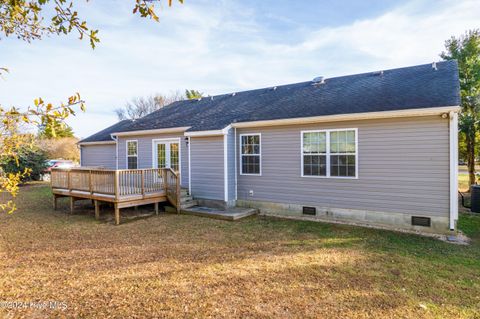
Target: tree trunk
<point>470,141</point>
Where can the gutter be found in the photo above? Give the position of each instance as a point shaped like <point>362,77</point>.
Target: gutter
<point>95,143</point>
<point>155,131</point>
<point>351,117</point>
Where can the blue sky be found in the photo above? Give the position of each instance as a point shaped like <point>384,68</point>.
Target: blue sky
<point>224,46</point>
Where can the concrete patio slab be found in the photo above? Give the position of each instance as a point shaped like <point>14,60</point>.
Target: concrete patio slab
<point>233,213</point>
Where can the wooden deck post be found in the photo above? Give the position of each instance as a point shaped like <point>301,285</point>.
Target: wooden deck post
<point>156,208</point>
<point>97,210</point>
<point>143,183</point>
<point>165,180</point>
<point>54,201</point>
<point>117,214</point>
<point>72,204</point>
<point>178,195</point>
<point>69,183</point>
<point>90,186</point>
<point>115,186</point>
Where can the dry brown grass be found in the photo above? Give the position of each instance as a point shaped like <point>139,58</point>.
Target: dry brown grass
<point>186,266</point>
<point>463,184</point>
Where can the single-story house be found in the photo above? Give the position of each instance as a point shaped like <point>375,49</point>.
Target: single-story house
<point>377,148</point>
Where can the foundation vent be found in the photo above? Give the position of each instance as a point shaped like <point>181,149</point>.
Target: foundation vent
<point>421,221</point>
<point>309,210</point>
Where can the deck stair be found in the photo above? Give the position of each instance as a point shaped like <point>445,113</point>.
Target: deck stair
<point>186,200</point>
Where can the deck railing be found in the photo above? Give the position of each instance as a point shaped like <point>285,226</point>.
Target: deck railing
<point>119,184</point>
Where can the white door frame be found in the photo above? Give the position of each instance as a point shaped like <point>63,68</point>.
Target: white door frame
<point>166,141</point>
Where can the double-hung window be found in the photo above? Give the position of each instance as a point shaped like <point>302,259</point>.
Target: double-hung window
<point>132,154</point>
<point>329,153</point>
<point>250,154</point>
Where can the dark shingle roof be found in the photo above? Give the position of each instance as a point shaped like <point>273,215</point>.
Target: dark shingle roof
<point>419,86</point>
<point>104,135</point>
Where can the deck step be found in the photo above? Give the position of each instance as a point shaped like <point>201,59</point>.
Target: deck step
<point>185,199</point>
<point>233,213</point>
<point>188,204</point>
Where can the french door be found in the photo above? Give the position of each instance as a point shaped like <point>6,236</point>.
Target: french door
<point>166,154</point>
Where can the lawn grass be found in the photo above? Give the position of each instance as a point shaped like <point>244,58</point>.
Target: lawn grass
<point>463,184</point>
<point>187,266</point>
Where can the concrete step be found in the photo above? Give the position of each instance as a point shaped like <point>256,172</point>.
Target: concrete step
<point>184,191</point>
<point>188,204</point>
<point>185,199</point>
<point>227,214</point>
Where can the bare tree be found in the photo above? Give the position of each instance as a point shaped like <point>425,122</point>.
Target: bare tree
<point>140,106</point>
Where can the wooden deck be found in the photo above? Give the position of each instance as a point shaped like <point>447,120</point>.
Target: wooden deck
<point>123,188</point>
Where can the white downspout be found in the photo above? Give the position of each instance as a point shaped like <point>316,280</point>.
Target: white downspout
<point>453,125</point>
<point>235,162</point>
<point>115,138</point>
<point>225,165</point>
<point>80,150</point>
<point>189,167</point>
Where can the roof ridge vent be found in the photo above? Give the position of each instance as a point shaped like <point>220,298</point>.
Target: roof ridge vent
<point>319,80</point>
<point>434,66</point>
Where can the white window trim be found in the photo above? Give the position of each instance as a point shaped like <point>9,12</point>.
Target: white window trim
<point>126,152</point>
<point>327,131</point>
<point>259,153</point>
<point>167,140</point>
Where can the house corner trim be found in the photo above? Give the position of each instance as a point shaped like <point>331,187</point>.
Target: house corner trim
<point>453,136</point>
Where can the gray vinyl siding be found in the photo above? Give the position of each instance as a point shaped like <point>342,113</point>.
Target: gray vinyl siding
<point>207,167</point>
<point>403,167</point>
<point>145,152</point>
<point>98,155</point>
<point>231,164</point>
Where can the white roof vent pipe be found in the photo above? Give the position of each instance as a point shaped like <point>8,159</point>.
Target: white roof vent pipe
<point>319,80</point>
<point>434,66</point>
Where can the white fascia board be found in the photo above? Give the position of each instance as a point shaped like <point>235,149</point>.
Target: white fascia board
<point>223,131</point>
<point>351,117</point>
<point>150,132</point>
<point>95,143</point>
